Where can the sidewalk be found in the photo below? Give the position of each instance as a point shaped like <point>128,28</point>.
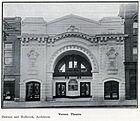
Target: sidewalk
<point>72,104</point>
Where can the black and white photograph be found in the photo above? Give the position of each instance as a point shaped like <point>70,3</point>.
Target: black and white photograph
<point>69,55</point>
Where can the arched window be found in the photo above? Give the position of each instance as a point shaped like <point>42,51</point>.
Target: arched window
<point>111,90</point>
<point>73,85</point>
<point>72,65</point>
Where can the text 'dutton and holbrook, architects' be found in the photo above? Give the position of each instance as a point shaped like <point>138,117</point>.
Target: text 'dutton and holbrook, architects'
<point>72,57</point>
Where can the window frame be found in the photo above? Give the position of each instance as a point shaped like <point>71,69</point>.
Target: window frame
<point>73,71</point>
<point>73,85</point>
<point>8,50</point>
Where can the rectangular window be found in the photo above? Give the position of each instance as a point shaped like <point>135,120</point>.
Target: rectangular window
<point>8,47</point>
<point>75,64</point>
<point>8,56</point>
<point>135,28</point>
<point>7,53</point>
<point>135,54</point>
<point>70,64</point>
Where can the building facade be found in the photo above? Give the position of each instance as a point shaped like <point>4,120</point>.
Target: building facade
<point>72,57</point>
<point>129,13</point>
<point>11,58</point>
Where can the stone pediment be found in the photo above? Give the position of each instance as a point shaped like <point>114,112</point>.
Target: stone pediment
<point>72,16</point>
<point>73,22</point>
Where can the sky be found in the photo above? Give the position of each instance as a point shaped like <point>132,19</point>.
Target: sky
<point>51,11</point>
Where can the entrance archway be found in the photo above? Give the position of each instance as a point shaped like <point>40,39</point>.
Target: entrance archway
<point>59,53</point>
<point>72,75</point>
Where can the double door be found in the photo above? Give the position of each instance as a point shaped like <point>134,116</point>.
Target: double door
<point>84,89</point>
<point>60,89</point>
<point>33,91</point>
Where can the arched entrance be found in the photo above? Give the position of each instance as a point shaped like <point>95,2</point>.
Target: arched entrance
<point>72,75</point>
<point>32,91</point>
<point>111,90</point>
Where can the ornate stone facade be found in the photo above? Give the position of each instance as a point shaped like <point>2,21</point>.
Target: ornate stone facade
<point>43,45</point>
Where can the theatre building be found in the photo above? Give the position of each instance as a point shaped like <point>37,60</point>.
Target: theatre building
<point>72,58</point>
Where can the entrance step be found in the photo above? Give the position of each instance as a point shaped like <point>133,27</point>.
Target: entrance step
<point>72,99</point>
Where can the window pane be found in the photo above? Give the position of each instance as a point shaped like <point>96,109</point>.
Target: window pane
<point>75,64</point>
<point>8,46</point>
<point>135,31</point>
<point>70,64</point>
<point>8,61</point>
<point>83,68</point>
<point>135,25</point>
<point>8,54</point>
<point>135,50</point>
<point>62,69</point>
<point>135,54</point>
<point>73,85</point>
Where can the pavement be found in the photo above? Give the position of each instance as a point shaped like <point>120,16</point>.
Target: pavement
<point>71,104</point>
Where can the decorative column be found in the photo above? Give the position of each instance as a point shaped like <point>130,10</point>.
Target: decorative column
<point>43,92</point>
<point>97,87</point>
<point>22,92</point>
<point>49,86</point>
<point>122,91</point>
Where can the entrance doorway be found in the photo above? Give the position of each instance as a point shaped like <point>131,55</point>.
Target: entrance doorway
<point>60,89</point>
<point>33,91</point>
<point>111,90</point>
<point>84,89</point>
<point>9,90</point>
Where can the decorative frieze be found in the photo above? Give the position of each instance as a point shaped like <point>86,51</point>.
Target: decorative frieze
<point>112,64</point>
<point>39,39</point>
<point>32,55</point>
<point>71,32</point>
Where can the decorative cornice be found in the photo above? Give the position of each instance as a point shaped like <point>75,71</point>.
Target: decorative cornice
<point>73,34</point>
<point>93,39</point>
<point>39,38</point>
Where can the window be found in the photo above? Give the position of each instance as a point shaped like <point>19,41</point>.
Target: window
<point>75,64</point>
<point>73,85</point>
<point>62,69</point>
<point>72,65</point>
<point>8,46</point>
<point>135,54</point>
<point>135,28</point>
<point>83,68</point>
<point>8,56</point>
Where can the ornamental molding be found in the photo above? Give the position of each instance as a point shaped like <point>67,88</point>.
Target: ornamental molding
<point>32,55</point>
<point>85,51</point>
<point>112,53</point>
<point>112,63</point>
<point>72,28</point>
<point>73,32</point>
